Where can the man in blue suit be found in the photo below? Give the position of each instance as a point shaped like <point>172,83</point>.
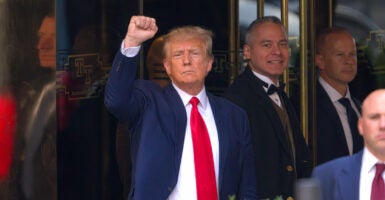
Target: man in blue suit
<point>351,177</point>
<point>162,147</point>
<point>336,60</point>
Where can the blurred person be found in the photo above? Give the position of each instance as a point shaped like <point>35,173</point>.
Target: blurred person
<point>282,154</point>
<point>154,63</point>
<point>8,117</point>
<point>359,176</point>
<point>336,59</point>
<point>165,154</point>
<point>38,155</point>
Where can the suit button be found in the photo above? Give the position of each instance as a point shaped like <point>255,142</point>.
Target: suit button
<point>289,168</point>
<point>289,198</point>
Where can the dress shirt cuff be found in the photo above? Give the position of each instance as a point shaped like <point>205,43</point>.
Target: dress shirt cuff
<point>129,51</point>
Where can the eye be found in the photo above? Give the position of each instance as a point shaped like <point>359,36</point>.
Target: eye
<point>340,54</point>
<point>176,54</point>
<point>374,116</point>
<point>283,44</point>
<point>195,53</point>
<point>266,45</point>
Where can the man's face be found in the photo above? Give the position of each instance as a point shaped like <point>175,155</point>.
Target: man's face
<point>187,63</point>
<point>337,62</point>
<point>47,43</point>
<point>269,51</point>
<point>372,123</point>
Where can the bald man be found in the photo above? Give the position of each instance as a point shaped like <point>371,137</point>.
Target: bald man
<point>351,177</point>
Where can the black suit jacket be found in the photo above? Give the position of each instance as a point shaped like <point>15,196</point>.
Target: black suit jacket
<point>273,160</point>
<point>331,142</point>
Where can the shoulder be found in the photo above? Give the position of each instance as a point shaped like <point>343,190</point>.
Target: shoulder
<point>225,104</point>
<point>237,91</point>
<point>334,166</point>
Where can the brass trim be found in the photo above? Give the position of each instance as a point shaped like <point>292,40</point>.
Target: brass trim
<point>285,22</point>
<point>260,8</point>
<point>312,83</point>
<point>303,67</point>
<point>330,16</point>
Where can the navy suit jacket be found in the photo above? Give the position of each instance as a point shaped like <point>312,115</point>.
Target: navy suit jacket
<point>275,166</point>
<point>158,119</point>
<point>331,142</point>
<point>340,179</point>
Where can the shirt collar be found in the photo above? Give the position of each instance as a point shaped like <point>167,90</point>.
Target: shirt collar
<point>202,96</point>
<point>333,94</point>
<point>264,79</point>
<point>369,161</point>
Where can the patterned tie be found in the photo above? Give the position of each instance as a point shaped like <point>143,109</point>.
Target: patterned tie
<point>203,156</point>
<point>352,118</point>
<point>378,186</point>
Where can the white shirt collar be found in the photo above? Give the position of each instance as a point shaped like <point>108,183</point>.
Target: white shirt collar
<point>333,94</point>
<point>265,79</point>
<point>369,161</point>
<point>202,96</point>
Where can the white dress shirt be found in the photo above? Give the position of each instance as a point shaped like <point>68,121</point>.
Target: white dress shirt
<point>368,170</point>
<point>186,188</point>
<point>341,110</point>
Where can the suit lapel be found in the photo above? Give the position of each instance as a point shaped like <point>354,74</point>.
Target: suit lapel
<point>349,179</point>
<point>180,119</point>
<point>326,104</point>
<point>222,122</point>
<point>264,102</point>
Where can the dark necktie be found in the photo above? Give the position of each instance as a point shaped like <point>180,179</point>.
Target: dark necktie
<point>352,119</point>
<point>203,156</point>
<point>378,186</point>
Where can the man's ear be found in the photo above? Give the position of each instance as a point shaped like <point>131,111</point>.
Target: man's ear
<point>166,67</point>
<point>359,126</point>
<point>319,61</point>
<point>210,64</point>
<point>246,52</point>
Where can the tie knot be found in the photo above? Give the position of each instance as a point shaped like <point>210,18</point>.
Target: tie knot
<point>194,101</point>
<point>380,167</point>
<point>345,102</point>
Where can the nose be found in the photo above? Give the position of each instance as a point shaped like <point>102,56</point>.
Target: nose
<point>276,49</point>
<point>349,59</point>
<point>382,122</point>
<point>44,42</point>
<point>186,58</point>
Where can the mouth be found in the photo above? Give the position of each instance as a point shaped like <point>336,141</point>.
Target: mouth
<point>381,136</point>
<point>275,61</point>
<point>188,72</point>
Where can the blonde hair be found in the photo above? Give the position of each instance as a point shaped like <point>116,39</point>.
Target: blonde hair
<point>188,32</point>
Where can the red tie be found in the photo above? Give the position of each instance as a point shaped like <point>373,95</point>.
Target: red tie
<point>378,187</point>
<point>203,156</point>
